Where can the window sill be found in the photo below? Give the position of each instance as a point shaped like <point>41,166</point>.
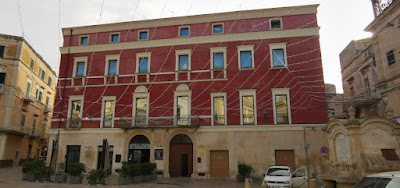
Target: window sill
<point>282,67</point>
<point>147,73</point>
<point>251,68</point>
<point>183,71</point>
<point>276,29</point>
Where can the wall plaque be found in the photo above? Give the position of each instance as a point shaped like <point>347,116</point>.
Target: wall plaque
<point>342,148</point>
<point>158,154</point>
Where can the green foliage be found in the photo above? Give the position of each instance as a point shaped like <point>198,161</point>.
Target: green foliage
<point>76,169</point>
<point>125,170</point>
<point>95,175</point>
<point>244,169</point>
<point>33,167</point>
<point>60,168</point>
<point>148,168</point>
<point>44,171</point>
<point>134,170</point>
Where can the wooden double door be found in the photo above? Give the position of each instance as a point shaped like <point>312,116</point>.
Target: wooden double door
<point>181,160</point>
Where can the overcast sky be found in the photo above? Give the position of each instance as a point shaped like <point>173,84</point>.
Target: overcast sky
<point>340,20</point>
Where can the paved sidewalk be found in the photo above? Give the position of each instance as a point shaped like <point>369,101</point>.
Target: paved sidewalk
<point>12,178</point>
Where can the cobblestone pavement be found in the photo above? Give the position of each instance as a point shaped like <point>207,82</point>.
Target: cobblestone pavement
<point>12,178</point>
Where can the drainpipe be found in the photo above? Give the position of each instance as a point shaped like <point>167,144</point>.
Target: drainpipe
<point>306,149</point>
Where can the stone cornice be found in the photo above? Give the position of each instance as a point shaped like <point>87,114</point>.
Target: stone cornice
<point>185,20</point>
<point>289,33</point>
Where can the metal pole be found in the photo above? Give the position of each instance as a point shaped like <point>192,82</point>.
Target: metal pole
<point>306,149</point>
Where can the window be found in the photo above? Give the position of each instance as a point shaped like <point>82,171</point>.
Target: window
<point>114,37</point>
<point>184,31</point>
<point>390,154</point>
<point>2,78</point>
<point>75,111</point>
<point>2,49</point>
<point>37,93</point>
<point>34,126</point>
<point>28,86</point>
<point>182,105</point>
<point>84,40</point>
<point>40,96</point>
<point>108,112</point>
<point>246,56</point>
<point>143,62</point>
<point>49,81</point>
<point>112,65</point>
<point>275,23</point>
<point>281,106</point>
<point>218,28</point>
<point>183,60</point>
<point>218,103</point>
<point>40,72</point>
<point>143,35</point>
<point>218,57</point>
<point>47,101</point>
<point>390,57</point>
<point>367,89</point>
<point>23,117</point>
<point>248,114</point>
<point>43,74</point>
<point>278,55</point>
<point>141,103</point>
<point>32,64</point>
<point>80,66</point>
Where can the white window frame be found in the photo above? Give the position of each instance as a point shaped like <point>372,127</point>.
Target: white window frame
<point>214,24</point>
<point>246,48</point>
<point>43,76</point>
<point>281,91</point>
<point>116,33</point>
<point>38,98</point>
<point>274,19</point>
<point>142,55</point>
<point>182,90</point>
<point>144,30</point>
<point>218,94</point>
<point>273,46</point>
<point>187,52</point>
<point>140,92</point>
<point>182,27</point>
<point>80,39</point>
<point>217,50</point>
<point>247,92</point>
<point>26,87</point>
<point>107,98</point>
<point>112,57</point>
<point>75,98</point>
<point>79,59</point>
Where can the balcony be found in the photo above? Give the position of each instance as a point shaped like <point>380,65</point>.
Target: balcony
<point>48,109</point>
<point>248,119</point>
<point>158,122</point>
<point>28,97</point>
<point>15,130</point>
<point>73,123</point>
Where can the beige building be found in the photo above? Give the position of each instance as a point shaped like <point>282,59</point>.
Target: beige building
<point>334,101</point>
<point>386,44</point>
<point>27,90</point>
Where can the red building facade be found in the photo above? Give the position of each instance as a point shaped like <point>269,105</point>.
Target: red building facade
<point>247,69</point>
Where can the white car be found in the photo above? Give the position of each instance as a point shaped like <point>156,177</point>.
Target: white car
<point>282,176</point>
<point>381,180</point>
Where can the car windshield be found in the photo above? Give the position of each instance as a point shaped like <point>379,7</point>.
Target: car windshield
<point>278,172</point>
<point>375,182</point>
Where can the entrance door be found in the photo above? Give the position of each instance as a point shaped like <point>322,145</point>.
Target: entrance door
<point>219,163</point>
<point>181,160</point>
<point>285,158</point>
<point>139,150</point>
<point>73,155</point>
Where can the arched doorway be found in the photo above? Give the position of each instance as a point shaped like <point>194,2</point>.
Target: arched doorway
<point>181,156</point>
<point>139,150</point>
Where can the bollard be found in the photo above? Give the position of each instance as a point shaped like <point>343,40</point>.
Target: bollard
<point>248,183</point>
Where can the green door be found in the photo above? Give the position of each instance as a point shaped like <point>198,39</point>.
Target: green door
<point>73,155</point>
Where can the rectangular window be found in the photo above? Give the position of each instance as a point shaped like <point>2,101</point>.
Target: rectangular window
<point>84,40</point>
<point>245,59</point>
<point>115,37</point>
<point>47,101</point>
<point>32,64</point>
<point>43,74</point>
<point>248,110</point>
<point>143,65</point>
<point>278,57</point>
<point>2,49</point>
<point>40,96</point>
<point>34,126</point>
<point>219,110</point>
<point>108,113</point>
<point>23,117</point>
<point>28,87</point>
<point>2,77</point>
<point>281,109</point>
<point>37,93</point>
<point>80,69</point>
<point>184,31</point>
<point>275,23</point>
<point>218,60</point>
<point>75,113</point>
<point>183,62</point>
<point>49,81</point>
<point>112,67</point>
<point>218,28</point>
<point>390,57</point>
<point>182,110</point>
<point>367,89</point>
<point>143,35</point>
<point>141,111</point>
<point>40,72</point>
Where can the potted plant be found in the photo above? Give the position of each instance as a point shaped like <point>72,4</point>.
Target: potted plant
<point>97,177</point>
<point>146,171</point>
<point>244,171</point>
<point>60,176</point>
<point>26,167</point>
<point>75,173</point>
<point>32,170</point>
<point>135,173</point>
<point>44,173</point>
<point>124,174</point>
<point>154,171</point>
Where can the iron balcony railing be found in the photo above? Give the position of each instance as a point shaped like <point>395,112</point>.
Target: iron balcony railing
<point>107,122</point>
<point>73,123</point>
<point>282,119</point>
<point>248,119</point>
<point>167,121</point>
<point>219,120</point>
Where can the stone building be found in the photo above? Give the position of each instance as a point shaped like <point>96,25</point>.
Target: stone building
<point>196,94</point>
<point>27,90</point>
<point>334,102</point>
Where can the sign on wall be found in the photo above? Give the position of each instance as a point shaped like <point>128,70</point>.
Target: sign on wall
<point>158,154</point>
<point>342,148</point>
<point>139,146</point>
<point>88,152</point>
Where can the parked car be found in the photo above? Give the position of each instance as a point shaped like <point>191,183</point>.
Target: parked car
<point>282,176</point>
<point>381,180</point>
